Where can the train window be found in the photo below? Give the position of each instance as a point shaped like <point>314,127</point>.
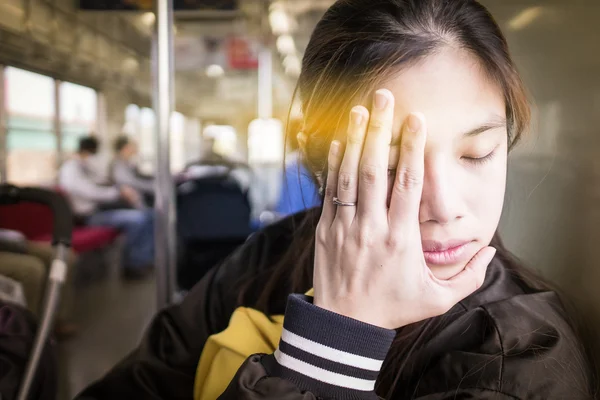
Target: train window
<point>146,141</point>
<point>78,114</point>
<point>132,121</point>
<point>265,141</point>
<point>193,140</point>
<point>185,137</point>
<point>177,142</point>
<point>31,139</point>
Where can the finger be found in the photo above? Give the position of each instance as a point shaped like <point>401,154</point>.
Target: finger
<point>372,182</point>
<point>408,183</point>
<point>347,190</point>
<point>333,168</point>
<point>471,278</point>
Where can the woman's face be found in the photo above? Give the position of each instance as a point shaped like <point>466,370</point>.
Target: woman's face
<point>465,155</point>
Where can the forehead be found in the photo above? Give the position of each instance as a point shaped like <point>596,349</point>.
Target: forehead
<point>451,90</point>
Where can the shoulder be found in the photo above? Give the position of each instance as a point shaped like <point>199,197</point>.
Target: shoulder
<point>540,350</point>
<point>509,339</point>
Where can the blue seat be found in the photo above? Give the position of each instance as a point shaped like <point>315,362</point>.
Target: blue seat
<point>213,217</point>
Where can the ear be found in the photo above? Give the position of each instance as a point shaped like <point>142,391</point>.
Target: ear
<point>301,136</point>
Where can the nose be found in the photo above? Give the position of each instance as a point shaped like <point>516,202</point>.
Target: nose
<point>440,201</point>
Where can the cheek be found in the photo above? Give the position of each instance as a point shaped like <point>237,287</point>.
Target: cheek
<point>484,195</point>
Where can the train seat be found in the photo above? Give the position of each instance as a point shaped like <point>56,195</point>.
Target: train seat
<point>35,222</point>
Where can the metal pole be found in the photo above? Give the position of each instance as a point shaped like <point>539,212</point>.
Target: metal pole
<point>58,125</point>
<point>56,279</point>
<point>165,233</point>
<point>101,130</point>
<point>265,83</point>
<point>3,128</point>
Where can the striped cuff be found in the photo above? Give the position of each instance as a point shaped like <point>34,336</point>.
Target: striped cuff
<point>328,354</point>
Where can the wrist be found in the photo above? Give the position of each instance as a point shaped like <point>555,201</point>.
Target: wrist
<point>329,354</point>
<point>357,312</point>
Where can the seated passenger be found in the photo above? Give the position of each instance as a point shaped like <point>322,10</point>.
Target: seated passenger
<point>117,206</point>
<point>414,295</point>
<point>124,172</point>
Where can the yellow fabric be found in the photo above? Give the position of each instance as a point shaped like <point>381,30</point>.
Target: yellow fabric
<point>249,332</point>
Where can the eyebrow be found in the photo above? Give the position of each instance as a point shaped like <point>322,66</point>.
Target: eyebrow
<point>495,123</point>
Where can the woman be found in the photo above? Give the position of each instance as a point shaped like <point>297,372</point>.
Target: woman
<point>410,108</point>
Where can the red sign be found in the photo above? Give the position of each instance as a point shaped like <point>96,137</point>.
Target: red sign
<point>242,53</point>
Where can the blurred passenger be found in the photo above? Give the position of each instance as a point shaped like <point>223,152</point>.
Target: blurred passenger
<point>123,170</point>
<point>116,206</point>
<point>213,164</point>
<point>298,190</point>
<point>29,264</point>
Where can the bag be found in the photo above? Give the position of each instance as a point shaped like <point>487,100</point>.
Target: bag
<point>17,333</point>
<point>11,291</point>
<point>249,332</point>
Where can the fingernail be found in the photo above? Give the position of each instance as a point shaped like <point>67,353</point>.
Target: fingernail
<point>381,99</point>
<point>335,147</point>
<point>357,116</point>
<point>414,123</point>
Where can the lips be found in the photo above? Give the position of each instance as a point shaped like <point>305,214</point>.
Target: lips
<point>445,253</point>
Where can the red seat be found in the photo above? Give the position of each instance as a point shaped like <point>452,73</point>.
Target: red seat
<point>88,238</point>
<point>35,222</point>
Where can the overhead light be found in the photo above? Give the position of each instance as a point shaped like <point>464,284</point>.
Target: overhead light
<point>292,65</point>
<point>293,70</point>
<point>525,18</point>
<point>286,45</point>
<point>280,21</point>
<point>148,18</point>
<point>130,65</point>
<point>291,60</point>
<point>214,71</point>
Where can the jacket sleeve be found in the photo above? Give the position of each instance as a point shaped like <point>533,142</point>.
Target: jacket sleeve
<point>164,364</point>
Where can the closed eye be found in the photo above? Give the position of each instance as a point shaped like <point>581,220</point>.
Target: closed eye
<point>480,160</point>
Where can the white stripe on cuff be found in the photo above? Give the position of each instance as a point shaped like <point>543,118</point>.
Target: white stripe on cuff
<point>330,353</point>
<point>323,375</point>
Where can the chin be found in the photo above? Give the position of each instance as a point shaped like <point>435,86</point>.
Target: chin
<point>445,272</point>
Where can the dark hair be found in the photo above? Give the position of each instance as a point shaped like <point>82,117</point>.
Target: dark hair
<point>120,143</point>
<point>358,45</point>
<point>88,144</point>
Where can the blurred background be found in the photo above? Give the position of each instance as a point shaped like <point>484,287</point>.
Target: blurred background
<point>71,69</point>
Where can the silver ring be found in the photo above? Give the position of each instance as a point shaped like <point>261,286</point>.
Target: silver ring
<point>338,202</point>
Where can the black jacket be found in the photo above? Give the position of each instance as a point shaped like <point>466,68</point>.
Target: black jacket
<point>506,341</point>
